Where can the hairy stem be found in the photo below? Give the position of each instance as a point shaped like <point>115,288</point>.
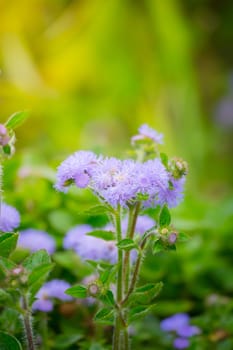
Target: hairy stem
<point>27,324</point>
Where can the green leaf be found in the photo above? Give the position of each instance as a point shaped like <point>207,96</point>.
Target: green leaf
<point>145,294</point>
<point>98,210</point>
<point>37,278</point>
<point>158,247</point>
<point>105,316</point>
<point>106,274</point>
<point>164,217</point>
<point>4,297</point>
<point>7,149</point>
<point>139,311</point>
<point>16,119</point>
<point>6,264</point>
<point>183,237</point>
<point>8,342</point>
<point>105,235</point>
<point>164,159</point>
<point>36,259</point>
<point>65,341</point>
<point>77,291</point>
<point>108,298</point>
<point>127,244</point>
<point>8,242</point>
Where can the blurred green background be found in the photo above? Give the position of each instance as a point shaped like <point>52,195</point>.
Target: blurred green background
<point>90,72</point>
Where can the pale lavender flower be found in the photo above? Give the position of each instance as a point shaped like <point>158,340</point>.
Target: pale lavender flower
<point>174,322</point>
<point>181,343</point>
<point>89,247</point>
<point>113,180</point>
<point>188,331</point>
<point>145,132</point>
<point>77,169</point>
<point>9,218</point>
<point>34,240</point>
<point>54,289</point>
<point>173,195</point>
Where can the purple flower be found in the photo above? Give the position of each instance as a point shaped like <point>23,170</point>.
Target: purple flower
<point>9,218</point>
<point>89,247</point>
<point>77,169</point>
<point>188,331</point>
<point>145,132</point>
<point>174,322</point>
<point>34,240</point>
<point>50,290</point>
<point>173,195</point>
<point>181,343</point>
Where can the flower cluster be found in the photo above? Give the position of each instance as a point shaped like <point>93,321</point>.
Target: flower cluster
<point>34,240</point>
<point>121,182</point>
<point>9,218</point>
<point>179,324</point>
<point>51,290</point>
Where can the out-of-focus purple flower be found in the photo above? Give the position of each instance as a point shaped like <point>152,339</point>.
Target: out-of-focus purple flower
<point>224,112</point>
<point>89,247</point>
<point>181,343</point>
<point>77,169</point>
<point>174,322</point>
<point>173,195</point>
<point>9,218</point>
<point>54,289</point>
<point>188,331</point>
<point>34,240</point>
<point>4,137</point>
<point>145,132</point>
<point>172,238</point>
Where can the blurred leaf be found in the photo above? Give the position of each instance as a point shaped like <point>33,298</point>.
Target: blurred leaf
<point>127,244</point>
<point>108,298</point>
<point>77,291</point>
<point>183,237</point>
<point>145,294</point>
<point>158,247</point>
<point>16,119</point>
<point>105,235</point>
<point>65,341</point>
<point>105,316</point>
<point>98,210</point>
<point>139,311</point>
<point>37,278</point>
<point>8,342</point>
<point>37,259</point>
<point>164,217</point>
<point>8,242</point>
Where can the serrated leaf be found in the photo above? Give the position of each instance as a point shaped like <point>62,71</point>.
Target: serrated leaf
<point>106,274</point>
<point>37,278</point>
<point>145,294</point>
<point>164,217</point>
<point>108,298</point>
<point>126,244</point>
<point>105,235</point>
<point>138,311</point>
<point>16,119</point>
<point>8,342</point>
<point>8,242</point>
<point>105,316</point>
<point>158,247</point>
<point>36,259</point>
<point>183,237</point>
<point>77,291</point>
<point>65,341</point>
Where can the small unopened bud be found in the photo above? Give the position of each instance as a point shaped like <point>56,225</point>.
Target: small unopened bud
<point>4,137</point>
<point>164,231</point>
<point>17,271</point>
<point>93,289</point>
<point>178,167</point>
<point>172,238</point>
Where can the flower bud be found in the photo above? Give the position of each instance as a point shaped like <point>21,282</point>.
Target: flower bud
<point>164,231</point>
<point>93,289</point>
<point>172,238</point>
<point>178,167</point>
<point>4,137</point>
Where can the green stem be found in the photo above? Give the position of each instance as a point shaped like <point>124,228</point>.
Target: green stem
<point>117,338</point>
<point>27,324</point>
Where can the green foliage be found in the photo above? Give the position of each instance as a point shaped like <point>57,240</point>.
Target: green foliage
<point>8,342</point>
<point>105,235</point>
<point>16,119</point>
<point>77,291</point>
<point>8,242</point>
<point>65,341</point>
<point>164,217</point>
<point>146,294</point>
<point>127,244</point>
<point>104,316</point>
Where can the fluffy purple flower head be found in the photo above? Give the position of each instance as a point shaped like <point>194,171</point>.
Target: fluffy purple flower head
<point>174,322</point>
<point>181,343</point>
<point>34,240</point>
<point>9,218</point>
<point>89,247</point>
<point>173,195</point>
<point>187,331</point>
<point>50,290</point>
<point>114,181</point>
<point>145,132</point>
<point>77,169</point>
